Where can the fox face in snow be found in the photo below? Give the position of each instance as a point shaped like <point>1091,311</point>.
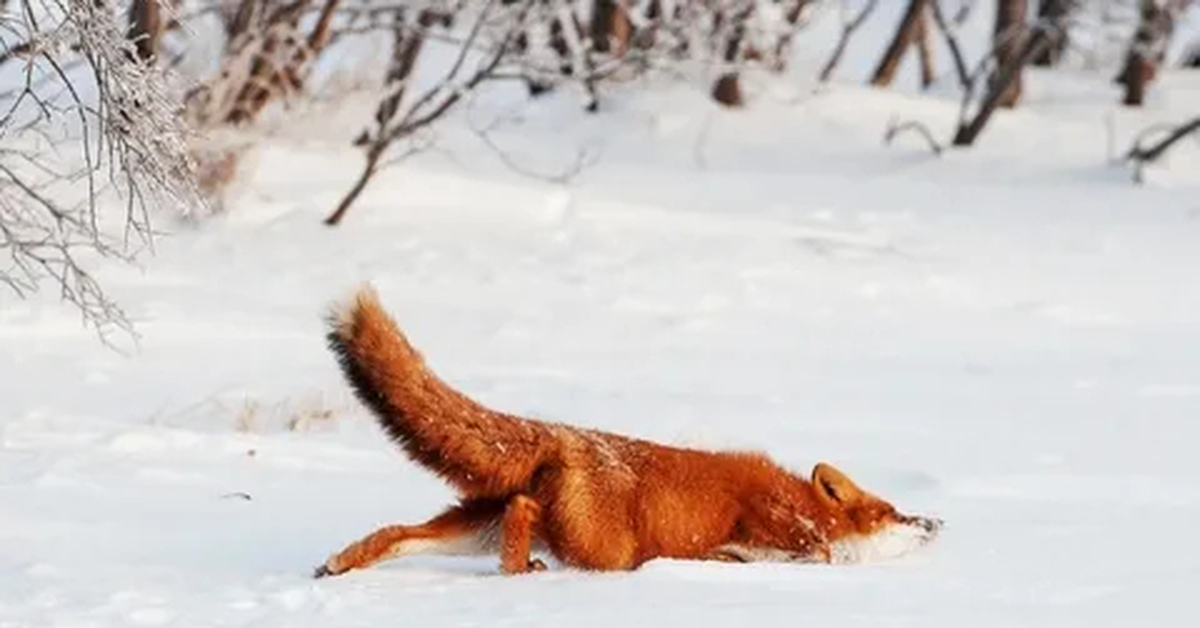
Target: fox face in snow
<point>867,528</point>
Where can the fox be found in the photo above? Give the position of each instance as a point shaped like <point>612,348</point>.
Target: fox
<point>591,499</point>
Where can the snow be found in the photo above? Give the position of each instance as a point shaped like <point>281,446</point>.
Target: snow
<point>1004,338</point>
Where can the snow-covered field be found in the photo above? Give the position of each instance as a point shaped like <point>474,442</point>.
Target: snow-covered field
<point>1007,338</point>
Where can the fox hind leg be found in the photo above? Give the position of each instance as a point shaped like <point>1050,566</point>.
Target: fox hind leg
<point>471,528</point>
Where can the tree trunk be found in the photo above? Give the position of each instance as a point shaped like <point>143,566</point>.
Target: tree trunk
<point>1052,17</point>
<point>1006,75</point>
<point>728,90</point>
<point>406,46</point>
<point>610,27</point>
<point>267,80</point>
<point>1192,58</point>
<point>1009,40</point>
<point>146,27</point>
<point>885,73</point>
<point>1155,27</point>
<point>237,18</point>
<point>783,47</point>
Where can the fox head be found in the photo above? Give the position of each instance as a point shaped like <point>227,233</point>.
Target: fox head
<point>868,528</point>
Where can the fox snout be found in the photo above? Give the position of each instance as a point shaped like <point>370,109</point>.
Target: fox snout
<point>930,526</point>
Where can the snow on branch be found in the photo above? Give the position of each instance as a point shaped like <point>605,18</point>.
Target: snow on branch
<point>86,123</point>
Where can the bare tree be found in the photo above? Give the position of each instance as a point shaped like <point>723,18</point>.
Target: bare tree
<point>906,34</point>
<point>1009,40</point>
<point>1001,80</point>
<point>267,56</point>
<point>731,37</point>
<point>1148,48</point>
<point>483,52</point>
<point>956,54</point>
<point>147,23</point>
<point>1054,15</point>
<point>793,12</point>
<point>611,28</point>
<point>849,26</point>
<point>66,156</point>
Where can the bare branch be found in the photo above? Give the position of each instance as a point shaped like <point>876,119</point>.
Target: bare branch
<point>1142,155</point>
<point>895,128</point>
<point>848,29</point>
<point>394,123</point>
<point>960,65</point>
<point>1002,81</point>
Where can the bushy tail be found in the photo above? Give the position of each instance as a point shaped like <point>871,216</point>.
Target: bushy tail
<point>482,452</point>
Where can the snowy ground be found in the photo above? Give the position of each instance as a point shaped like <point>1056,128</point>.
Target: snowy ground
<point>1007,338</point>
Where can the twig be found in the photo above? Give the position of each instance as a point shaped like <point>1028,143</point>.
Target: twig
<point>583,158</point>
<point>1141,156</point>
<point>848,29</point>
<point>960,65</point>
<point>895,128</point>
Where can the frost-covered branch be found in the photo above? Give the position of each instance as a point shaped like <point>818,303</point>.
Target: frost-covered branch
<point>268,54</point>
<point>1148,48</point>
<point>86,125</point>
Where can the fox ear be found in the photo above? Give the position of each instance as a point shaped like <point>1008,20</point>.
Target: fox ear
<point>833,486</point>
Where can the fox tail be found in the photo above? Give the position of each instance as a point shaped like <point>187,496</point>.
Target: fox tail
<point>482,452</point>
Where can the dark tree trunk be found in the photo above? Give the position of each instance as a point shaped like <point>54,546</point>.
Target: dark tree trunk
<point>1006,76</point>
<point>237,19</point>
<point>1192,58</point>
<point>1147,49</point>
<point>728,90</point>
<point>1009,40</point>
<point>610,27</point>
<point>146,27</point>
<point>906,33</point>
<point>1052,16</point>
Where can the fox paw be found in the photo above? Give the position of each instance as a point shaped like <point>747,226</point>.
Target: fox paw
<point>530,566</point>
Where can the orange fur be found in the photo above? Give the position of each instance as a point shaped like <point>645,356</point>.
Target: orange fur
<point>595,500</point>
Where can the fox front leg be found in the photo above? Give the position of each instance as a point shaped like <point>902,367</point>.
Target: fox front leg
<point>467,529</point>
<point>522,519</point>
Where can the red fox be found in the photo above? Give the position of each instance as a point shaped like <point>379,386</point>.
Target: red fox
<point>593,500</point>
